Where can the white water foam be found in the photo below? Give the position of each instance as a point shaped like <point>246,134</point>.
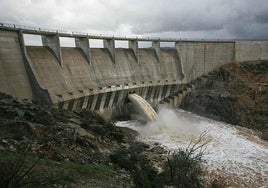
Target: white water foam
<point>244,159</point>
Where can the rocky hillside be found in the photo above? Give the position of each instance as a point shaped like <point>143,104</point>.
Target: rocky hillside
<point>47,147</point>
<point>236,93</point>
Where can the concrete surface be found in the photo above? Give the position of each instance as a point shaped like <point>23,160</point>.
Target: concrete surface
<point>13,76</point>
<point>101,78</point>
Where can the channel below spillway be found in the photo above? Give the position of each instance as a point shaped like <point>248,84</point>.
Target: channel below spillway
<point>233,154</point>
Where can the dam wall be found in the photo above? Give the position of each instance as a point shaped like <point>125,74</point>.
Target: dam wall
<point>13,76</point>
<point>200,57</point>
<point>251,50</point>
<point>101,78</point>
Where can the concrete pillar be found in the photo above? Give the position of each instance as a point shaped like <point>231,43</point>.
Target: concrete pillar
<point>156,47</point>
<point>148,93</point>
<point>151,99</point>
<point>205,58</point>
<point>103,99</point>
<point>111,102</point>
<point>181,70</point>
<point>184,93</point>
<point>94,102</point>
<point>179,99</point>
<point>168,90</point>
<point>121,97</point>
<point>65,105</point>
<point>133,45</point>
<point>75,104</point>
<point>53,42</point>
<point>177,87</point>
<point>176,102</point>
<point>109,44</point>
<point>141,91</point>
<point>38,93</point>
<point>83,44</point>
<point>84,106</point>
<point>145,92</point>
<point>156,94</point>
<point>235,58</point>
<point>178,46</point>
<point>160,92</point>
<point>171,102</point>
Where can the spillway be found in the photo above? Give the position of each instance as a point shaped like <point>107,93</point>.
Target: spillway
<point>144,107</point>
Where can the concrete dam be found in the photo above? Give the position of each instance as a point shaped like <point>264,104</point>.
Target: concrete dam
<point>100,79</point>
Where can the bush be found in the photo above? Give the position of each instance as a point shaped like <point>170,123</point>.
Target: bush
<point>183,167</point>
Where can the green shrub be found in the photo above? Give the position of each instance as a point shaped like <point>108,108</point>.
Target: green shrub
<point>183,167</point>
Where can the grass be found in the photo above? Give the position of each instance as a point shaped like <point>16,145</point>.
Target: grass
<point>5,134</point>
<point>87,170</point>
<point>67,169</point>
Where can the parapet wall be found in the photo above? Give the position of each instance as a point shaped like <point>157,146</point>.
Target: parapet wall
<point>99,78</point>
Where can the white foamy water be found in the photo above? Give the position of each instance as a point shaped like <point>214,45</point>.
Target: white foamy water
<point>239,157</point>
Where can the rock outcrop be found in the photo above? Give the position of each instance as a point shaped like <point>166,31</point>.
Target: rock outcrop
<point>236,93</point>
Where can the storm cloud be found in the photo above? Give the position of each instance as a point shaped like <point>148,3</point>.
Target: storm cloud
<point>168,18</point>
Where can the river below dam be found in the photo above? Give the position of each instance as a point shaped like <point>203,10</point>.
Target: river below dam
<point>234,154</point>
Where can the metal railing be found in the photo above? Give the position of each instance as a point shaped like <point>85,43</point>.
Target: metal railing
<point>36,30</point>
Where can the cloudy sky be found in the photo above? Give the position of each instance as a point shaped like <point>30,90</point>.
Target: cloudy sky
<point>160,18</point>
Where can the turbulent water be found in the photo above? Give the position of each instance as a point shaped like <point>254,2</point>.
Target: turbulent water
<point>234,154</point>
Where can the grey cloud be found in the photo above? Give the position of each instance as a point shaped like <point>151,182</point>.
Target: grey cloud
<point>204,18</point>
<point>249,31</point>
<point>262,18</point>
<point>239,19</point>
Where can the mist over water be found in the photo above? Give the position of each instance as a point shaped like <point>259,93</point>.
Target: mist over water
<point>232,153</point>
<point>169,122</point>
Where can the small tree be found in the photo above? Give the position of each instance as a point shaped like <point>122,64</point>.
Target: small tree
<point>183,168</point>
<point>13,174</point>
<point>19,171</point>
